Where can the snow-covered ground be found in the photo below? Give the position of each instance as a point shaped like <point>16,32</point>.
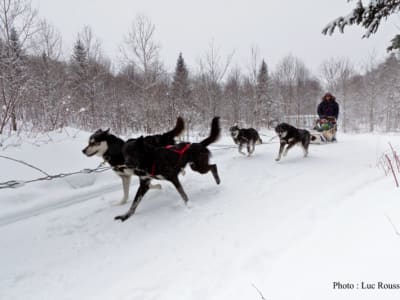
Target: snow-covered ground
<point>289,229</point>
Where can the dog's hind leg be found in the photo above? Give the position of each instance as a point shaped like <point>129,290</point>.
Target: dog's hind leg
<point>143,188</point>
<point>203,167</point>
<point>305,145</point>
<point>175,181</point>
<point>253,147</point>
<point>214,172</point>
<point>126,181</point>
<point>249,152</point>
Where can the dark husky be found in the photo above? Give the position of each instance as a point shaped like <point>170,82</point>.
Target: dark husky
<point>103,143</point>
<point>245,136</point>
<point>149,162</point>
<point>290,136</point>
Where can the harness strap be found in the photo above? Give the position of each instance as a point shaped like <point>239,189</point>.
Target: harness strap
<point>153,170</point>
<point>180,152</point>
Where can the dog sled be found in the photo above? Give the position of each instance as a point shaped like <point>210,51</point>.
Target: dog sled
<point>324,131</point>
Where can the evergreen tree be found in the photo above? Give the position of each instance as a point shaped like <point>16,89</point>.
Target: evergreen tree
<point>264,106</point>
<point>78,75</point>
<point>180,90</point>
<point>367,16</point>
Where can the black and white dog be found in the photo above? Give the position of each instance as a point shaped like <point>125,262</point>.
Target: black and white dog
<point>290,136</point>
<point>104,144</point>
<point>243,136</point>
<point>165,163</point>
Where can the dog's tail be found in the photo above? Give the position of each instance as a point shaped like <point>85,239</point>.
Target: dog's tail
<point>214,134</point>
<point>177,130</point>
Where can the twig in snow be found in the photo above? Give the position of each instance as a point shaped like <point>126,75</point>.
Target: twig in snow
<point>391,168</point>
<point>394,226</point>
<point>259,292</point>
<point>396,158</point>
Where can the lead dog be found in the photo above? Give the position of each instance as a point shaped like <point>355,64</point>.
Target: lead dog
<point>104,144</point>
<point>290,136</point>
<point>245,136</point>
<point>165,163</point>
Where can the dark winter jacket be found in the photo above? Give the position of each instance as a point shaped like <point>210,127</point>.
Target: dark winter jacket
<point>328,108</point>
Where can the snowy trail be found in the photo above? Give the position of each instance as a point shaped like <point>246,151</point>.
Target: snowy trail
<point>278,226</point>
<point>62,202</point>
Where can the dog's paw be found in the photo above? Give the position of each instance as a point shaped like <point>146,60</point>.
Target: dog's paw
<point>277,159</point>
<point>122,202</point>
<point>188,205</point>
<point>122,218</point>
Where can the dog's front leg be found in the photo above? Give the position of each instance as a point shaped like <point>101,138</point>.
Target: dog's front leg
<point>175,181</point>
<point>126,181</point>
<point>288,148</point>
<point>143,188</point>
<point>282,146</point>
<point>240,149</point>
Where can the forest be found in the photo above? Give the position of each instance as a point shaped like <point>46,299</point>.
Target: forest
<point>43,87</point>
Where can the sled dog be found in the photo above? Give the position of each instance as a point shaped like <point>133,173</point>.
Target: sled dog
<point>290,136</point>
<point>165,163</point>
<point>103,143</point>
<point>245,136</point>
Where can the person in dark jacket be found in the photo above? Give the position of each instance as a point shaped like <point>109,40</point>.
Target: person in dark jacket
<point>328,112</point>
<point>328,108</point>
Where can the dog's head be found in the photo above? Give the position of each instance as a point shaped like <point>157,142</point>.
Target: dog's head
<point>133,152</point>
<point>282,130</point>
<point>97,143</point>
<point>234,131</point>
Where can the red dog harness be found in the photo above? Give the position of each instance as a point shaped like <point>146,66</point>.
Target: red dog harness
<point>180,152</point>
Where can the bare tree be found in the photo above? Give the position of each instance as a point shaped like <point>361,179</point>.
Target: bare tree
<point>232,96</point>
<point>213,68</point>
<point>336,73</point>
<point>17,25</point>
<point>370,82</point>
<point>49,78</point>
<point>142,52</point>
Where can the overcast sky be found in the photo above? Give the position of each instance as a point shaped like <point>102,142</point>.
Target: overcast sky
<point>277,27</point>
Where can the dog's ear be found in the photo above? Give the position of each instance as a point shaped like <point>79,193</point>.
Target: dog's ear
<point>107,131</point>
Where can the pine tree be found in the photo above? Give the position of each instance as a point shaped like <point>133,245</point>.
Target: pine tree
<point>80,55</point>
<point>264,106</point>
<point>368,16</point>
<point>78,75</point>
<point>180,90</point>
